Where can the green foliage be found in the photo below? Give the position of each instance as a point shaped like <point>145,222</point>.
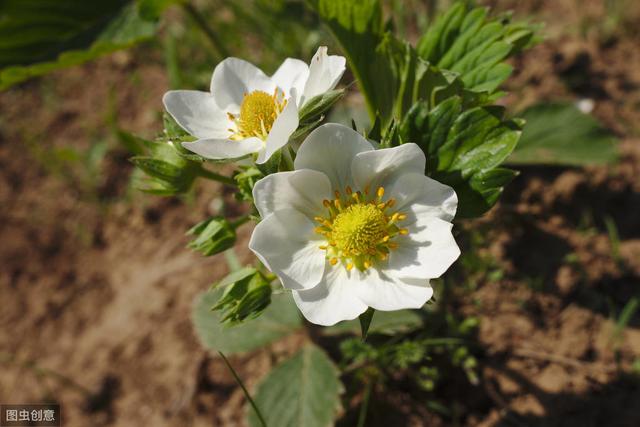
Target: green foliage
<point>464,149</point>
<point>246,294</point>
<point>153,9</point>
<point>168,172</point>
<point>466,41</point>
<point>303,391</point>
<point>40,36</point>
<point>213,235</point>
<point>246,178</point>
<point>560,134</point>
<point>312,112</point>
<point>279,319</point>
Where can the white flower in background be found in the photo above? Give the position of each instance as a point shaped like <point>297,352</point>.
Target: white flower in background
<point>352,227</point>
<point>247,111</point>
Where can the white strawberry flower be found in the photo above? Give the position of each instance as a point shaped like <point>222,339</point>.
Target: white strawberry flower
<point>248,112</point>
<point>353,227</point>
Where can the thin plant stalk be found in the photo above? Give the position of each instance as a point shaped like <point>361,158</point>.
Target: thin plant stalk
<point>205,173</point>
<point>364,407</point>
<point>244,389</point>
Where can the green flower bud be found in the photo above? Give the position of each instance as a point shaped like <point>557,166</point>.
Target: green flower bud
<point>246,295</point>
<point>213,236</point>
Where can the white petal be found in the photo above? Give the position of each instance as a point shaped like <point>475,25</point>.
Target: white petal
<point>333,300</point>
<point>303,190</point>
<point>324,73</point>
<point>233,78</point>
<point>283,127</point>
<point>224,148</point>
<point>426,252</point>
<point>286,243</point>
<point>293,73</point>
<point>385,292</point>
<point>197,113</point>
<point>330,149</point>
<point>418,195</point>
<point>382,167</point>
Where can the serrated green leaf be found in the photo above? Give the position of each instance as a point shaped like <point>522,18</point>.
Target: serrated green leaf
<point>303,391</point>
<point>279,319</point>
<point>358,27</point>
<point>40,36</point>
<point>467,41</point>
<point>464,149</point>
<point>560,134</point>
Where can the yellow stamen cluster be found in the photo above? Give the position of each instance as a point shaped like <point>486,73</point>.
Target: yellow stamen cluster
<point>359,228</point>
<point>258,111</point>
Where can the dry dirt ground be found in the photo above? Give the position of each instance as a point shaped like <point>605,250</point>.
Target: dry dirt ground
<point>96,284</point>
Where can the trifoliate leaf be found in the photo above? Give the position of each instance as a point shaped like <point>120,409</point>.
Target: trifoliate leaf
<point>303,391</point>
<point>279,319</point>
<point>560,134</point>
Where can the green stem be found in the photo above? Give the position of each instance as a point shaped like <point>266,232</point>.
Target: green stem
<point>201,22</point>
<point>238,222</point>
<point>216,177</point>
<point>364,407</point>
<point>244,389</point>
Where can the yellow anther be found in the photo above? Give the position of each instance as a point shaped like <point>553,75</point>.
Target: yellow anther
<point>357,228</point>
<point>258,112</point>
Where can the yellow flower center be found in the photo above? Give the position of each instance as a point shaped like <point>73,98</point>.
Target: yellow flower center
<point>258,112</point>
<point>359,229</point>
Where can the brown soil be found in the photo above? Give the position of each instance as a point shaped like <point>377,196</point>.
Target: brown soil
<point>96,284</point>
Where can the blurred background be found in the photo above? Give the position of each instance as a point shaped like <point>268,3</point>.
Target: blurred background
<point>96,283</point>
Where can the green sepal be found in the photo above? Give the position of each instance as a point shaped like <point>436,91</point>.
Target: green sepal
<point>213,235</point>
